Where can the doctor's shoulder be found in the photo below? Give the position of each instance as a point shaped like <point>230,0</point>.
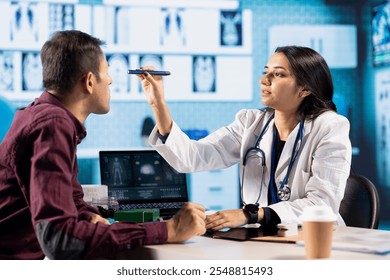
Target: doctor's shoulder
<point>250,116</point>
<point>330,121</point>
<point>332,118</point>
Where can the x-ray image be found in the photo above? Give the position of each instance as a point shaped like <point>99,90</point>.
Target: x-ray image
<point>171,176</point>
<point>204,74</point>
<point>24,22</point>
<point>61,17</point>
<point>147,171</point>
<point>173,27</point>
<point>32,71</point>
<point>150,60</point>
<point>116,170</point>
<point>6,71</point>
<point>231,28</point>
<point>119,64</point>
<point>122,25</point>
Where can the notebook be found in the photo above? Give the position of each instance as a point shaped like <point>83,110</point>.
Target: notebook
<point>143,179</point>
<point>243,233</point>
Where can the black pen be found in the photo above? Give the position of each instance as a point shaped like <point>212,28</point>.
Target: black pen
<point>151,72</point>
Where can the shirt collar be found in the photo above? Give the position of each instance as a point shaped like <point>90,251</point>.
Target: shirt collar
<point>46,97</point>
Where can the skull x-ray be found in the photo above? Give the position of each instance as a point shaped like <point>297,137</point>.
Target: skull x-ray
<point>231,28</point>
<point>6,70</point>
<point>24,22</point>
<point>150,60</point>
<point>32,71</point>
<point>204,74</point>
<point>119,64</point>
<point>173,31</point>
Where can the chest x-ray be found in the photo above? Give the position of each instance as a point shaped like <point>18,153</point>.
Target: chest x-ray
<point>173,31</point>
<point>24,22</point>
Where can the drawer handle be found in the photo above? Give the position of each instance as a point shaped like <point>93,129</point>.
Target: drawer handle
<point>215,189</point>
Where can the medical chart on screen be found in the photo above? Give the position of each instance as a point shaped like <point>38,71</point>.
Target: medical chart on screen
<point>206,45</point>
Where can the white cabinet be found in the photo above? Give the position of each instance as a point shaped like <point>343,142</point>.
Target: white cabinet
<point>217,189</point>
<point>335,42</point>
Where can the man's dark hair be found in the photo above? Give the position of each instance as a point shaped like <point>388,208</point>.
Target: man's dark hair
<point>67,56</point>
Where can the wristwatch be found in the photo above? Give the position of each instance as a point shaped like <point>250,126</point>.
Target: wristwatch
<point>253,211</point>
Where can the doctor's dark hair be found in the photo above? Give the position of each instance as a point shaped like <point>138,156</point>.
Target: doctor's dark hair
<point>311,71</point>
<point>67,56</point>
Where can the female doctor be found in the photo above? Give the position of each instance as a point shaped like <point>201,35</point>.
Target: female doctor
<point>294,153</point>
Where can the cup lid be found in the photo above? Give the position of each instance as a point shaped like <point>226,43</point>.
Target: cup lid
<point>318,213</point>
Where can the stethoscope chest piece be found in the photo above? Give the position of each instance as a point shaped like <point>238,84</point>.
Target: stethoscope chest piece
<point>284,193</point>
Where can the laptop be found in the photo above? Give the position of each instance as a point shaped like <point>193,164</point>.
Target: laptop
<point>143,179</point>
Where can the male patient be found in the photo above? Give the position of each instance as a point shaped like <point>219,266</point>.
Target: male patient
<point>42,212</point>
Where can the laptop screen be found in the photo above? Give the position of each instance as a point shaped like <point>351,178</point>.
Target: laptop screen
<point>141,176</point>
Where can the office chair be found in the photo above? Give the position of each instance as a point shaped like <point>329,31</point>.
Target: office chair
<point>360,205</point>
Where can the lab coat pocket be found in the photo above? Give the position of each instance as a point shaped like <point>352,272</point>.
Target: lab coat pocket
<point>300,181</point>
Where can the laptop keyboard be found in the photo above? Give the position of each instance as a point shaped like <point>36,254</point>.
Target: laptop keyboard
<point>158,205</point>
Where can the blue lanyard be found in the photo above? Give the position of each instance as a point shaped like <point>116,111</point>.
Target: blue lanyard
<point>272,184</point>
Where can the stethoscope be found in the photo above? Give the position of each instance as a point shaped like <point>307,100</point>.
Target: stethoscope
<point>284,191</point>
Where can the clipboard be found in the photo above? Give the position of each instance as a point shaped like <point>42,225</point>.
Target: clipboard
<point>242,233</point>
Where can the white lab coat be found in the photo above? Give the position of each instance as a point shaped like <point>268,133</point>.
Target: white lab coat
<point>318,176</point>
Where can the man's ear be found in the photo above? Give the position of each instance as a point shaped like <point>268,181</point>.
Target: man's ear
<point>88,82</point>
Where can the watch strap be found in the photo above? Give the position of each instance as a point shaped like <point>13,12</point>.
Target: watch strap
<point>253,212</point>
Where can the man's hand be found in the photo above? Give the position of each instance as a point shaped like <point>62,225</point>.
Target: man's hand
<point>188,222</point>
<point>97,218</point>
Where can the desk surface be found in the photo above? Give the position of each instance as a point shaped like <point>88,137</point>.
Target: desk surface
<point>206,248</point>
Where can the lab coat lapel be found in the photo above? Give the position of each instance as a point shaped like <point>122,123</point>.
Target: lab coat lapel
<point>287,152</point>
<point>266,146</point>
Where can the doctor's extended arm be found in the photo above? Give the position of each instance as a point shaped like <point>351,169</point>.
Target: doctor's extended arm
<point>154,92</point>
